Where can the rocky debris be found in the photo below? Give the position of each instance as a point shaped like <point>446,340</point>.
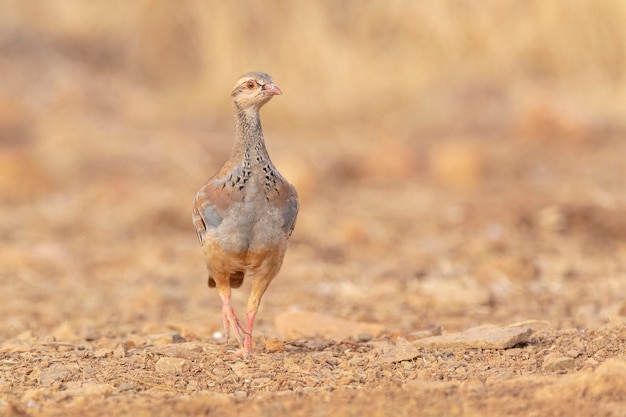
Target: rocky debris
<point>57,372</point>
<point>402,351</point>
<point>119,352</point>
<point>486,337</point>
<point>555,362</point>
<point>172,366</point>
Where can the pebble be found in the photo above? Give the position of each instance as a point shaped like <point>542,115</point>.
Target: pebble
<point>240,369</point>
<point>172,366</point>
<point>53,373</point>
<point>102,352</point>
<point>119,352</point>
<point>241,394</point>
<point>558,364</point>
<point>125,386</point>
<point>573,353</point>
<point>402,351</point>
<point>364,337</point>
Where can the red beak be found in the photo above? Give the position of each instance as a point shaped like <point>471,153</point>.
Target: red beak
<point>272,89</point>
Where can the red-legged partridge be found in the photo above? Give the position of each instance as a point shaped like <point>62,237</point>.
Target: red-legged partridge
<point>246,212</point>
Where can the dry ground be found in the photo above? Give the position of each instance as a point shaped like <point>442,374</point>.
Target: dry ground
<point>467,195</point>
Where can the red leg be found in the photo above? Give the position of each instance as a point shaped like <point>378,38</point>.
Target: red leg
<point>247,345</point>
<point>246,350</point>
<point>230,318</point>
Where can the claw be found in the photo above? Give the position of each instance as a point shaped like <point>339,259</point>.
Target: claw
<point>242,353</point>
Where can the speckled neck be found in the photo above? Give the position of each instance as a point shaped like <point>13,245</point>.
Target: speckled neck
<point>249,140</point>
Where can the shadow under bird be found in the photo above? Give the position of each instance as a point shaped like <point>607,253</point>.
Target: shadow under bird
<point>246,212</point>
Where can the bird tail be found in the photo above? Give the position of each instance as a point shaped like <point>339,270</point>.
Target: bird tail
<point>236,279</point>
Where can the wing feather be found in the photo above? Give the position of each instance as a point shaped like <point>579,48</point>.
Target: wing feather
<point>211,205</point>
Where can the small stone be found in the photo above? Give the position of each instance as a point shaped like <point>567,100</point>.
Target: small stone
<point>572,353</point>
<point>103,352</point>
<point>364,337</point>
<point>558,364</point>
<point>90,334</point>
<point>241,394</point>
<point>125,386</point>
<point>172,366</point>
<point>54,373</point>
<point>402,351</point>
<point>591,362</point>
<point>119,352</point>
<point>240,369</point>
<point>274,346</point>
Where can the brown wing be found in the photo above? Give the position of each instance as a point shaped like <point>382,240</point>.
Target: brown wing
<point>211,205</point>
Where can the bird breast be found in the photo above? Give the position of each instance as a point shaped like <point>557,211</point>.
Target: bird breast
<point>251,224</point>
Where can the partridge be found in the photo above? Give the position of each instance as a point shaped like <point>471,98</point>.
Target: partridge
<point>246,212</point>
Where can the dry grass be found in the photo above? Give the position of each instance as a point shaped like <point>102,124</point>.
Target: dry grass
<point>113,77</point>
<point>336,60</point>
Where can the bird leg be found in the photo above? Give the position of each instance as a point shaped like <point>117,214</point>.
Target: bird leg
<point>247,344</point>
<point>230,318</point>
<point>259,285</point>
<point>246,350</point>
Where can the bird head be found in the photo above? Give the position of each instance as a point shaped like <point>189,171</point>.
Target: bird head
<point>254,89</point>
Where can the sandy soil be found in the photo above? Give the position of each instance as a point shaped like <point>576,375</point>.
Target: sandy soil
<point>495,213</point>
<point>93,303</point>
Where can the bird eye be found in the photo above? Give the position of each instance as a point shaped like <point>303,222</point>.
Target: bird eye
<point>251,85</point>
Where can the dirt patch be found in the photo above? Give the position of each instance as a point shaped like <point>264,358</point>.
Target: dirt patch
<point>316,377</point>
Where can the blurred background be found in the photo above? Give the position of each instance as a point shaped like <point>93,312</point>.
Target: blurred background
<point>457,162</point>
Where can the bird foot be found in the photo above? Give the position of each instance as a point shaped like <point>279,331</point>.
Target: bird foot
<point>245,352</point>
<point>242,353</point>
